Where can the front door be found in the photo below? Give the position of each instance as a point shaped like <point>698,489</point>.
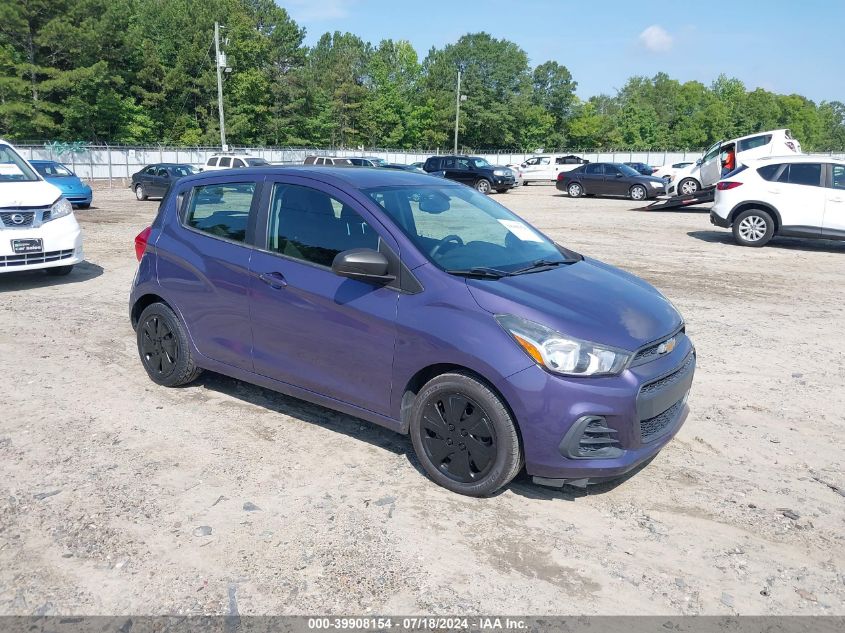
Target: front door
<point>615,183</point>
<point>834,208</point>
<point>314,329</point>
<point>710,169</point>
<point>458,169</point>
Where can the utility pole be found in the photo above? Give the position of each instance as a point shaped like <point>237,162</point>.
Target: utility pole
<point>219,65</point>
<point>457,109</point>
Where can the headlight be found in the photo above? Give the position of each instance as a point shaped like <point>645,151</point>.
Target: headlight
<point>564,354</point>
<point>656,184</point>
<point>502,172</point>
<point>60,209</point>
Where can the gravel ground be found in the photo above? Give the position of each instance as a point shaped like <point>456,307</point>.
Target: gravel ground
<point>118,496</point>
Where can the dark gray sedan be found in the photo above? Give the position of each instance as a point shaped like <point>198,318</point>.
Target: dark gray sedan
<point>153,181</point>
<point>609,179</point>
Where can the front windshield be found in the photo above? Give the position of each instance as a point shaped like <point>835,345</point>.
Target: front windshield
<point>628,171</point>
<point>480,163</point>
<point>52,170</point>
<point>460,229</point>
<point>13,168</point>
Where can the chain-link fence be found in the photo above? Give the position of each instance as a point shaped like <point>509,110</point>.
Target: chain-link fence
<point>114,165</point>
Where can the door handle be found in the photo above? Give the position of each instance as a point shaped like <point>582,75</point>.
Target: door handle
<point>274,280</point>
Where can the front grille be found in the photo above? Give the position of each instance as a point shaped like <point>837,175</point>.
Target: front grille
<point>17,219</point>
<point>654,428</point>
<point>671,378</point>
<point>651,353</point>
<point>27,259</point>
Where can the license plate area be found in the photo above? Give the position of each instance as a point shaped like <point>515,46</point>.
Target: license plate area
<point>26,246</point>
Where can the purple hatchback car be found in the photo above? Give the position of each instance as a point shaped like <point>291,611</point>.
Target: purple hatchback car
<point>420,305</point>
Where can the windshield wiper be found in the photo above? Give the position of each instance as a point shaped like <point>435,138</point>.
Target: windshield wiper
<point>479,271</point>
<point>541,265</point>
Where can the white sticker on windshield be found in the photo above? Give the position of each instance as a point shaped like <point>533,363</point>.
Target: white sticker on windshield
<point>521,230</point>
<point>10,169</point>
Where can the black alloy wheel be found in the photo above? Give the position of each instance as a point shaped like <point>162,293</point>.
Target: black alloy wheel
<point>159,349</point>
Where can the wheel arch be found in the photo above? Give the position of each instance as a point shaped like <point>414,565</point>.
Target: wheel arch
<point>142,303</point>
<point>756,204</point>
<point>424,375</point>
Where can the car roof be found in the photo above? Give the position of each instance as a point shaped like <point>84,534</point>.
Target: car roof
<point>793,158</point>
<point>357,178</point>
<point>761,133</point>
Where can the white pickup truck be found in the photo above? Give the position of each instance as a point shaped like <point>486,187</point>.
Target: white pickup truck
<point>37,226</point>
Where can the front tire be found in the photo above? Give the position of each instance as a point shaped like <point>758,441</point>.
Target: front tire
<point>687,186</point>
<point>638,192</point>
<point>575,190</point>
<point>753,227</point>
<point>482,185</point>
<point>140,194</point>
<point>464,435</point>
<point>502,190</point>
<point>86,205</point>
<point>164,347</point>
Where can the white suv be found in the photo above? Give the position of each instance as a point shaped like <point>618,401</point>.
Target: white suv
<point>546,167</point>
<point>706,171</point>
<point>37,225</point>
<point>794,196</point>
<point>232,161</point>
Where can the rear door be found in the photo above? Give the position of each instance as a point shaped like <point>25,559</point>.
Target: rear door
<point>799,197</point>
<point>203,266</point>
<point>592,178</point>
<point>834,209</point>
<point>314,329</point>
<point>160,182</point>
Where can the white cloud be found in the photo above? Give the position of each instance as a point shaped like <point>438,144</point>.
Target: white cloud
<point>656,39</point>
<point>317,10</point>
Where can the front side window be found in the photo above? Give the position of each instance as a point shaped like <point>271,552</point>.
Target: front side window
<point>754,142</point>
<point>532,161</point>
<point>462,163</point>
<point>151,170</point>
<point>459,229</point>
<point>712,153</point>
<point>161,172</point>
<point>625,169</point>
<point>221,210</point>
<point>225,162</point>
<point>313,226</point>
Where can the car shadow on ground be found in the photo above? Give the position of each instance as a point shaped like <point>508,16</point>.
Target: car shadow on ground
<point>786,243</point>
<point>377,436</point>
<point>690,209</point>
<point>26,279</point>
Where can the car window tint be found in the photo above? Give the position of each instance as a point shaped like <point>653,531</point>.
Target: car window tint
<point>545,160</point>
<point>150,171</point>
<point>463,163</point>
<point>225,162</point>
<point>313,226</point>
<point>610,170</point>
<point>593,169</point>
<point>769,172</point>
<point>162,172</point>
<point>838,177</point>
<point>221,210</point>
<point>712,153</point>
<point>805,174</point>
<point>754,141</point>
<point>237,162</point>
<point>211,162</point>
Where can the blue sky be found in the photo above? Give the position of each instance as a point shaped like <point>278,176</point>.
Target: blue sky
<point>785,46</point>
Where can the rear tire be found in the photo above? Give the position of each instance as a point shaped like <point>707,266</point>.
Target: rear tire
<point>575,190</point>
<point>464,435</point>
<point>59,271</point>
<point>164,347</point>
<point>753,227</point>
<point>140,194</point>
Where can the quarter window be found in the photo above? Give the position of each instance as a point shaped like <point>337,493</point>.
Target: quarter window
<point>769,172</point>
<point>313,226</point>
<point>221,210</point>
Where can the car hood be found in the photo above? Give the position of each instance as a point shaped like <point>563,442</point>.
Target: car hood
<point>34,193</point>
<point>590,300</point>
<point>652,179</point>
<point>69,184</point>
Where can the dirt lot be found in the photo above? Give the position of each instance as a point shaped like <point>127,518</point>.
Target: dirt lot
<point>118,496</point>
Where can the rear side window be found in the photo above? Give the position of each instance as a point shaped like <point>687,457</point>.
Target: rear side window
<point>593,169</point>
<point>221,210</point>
<point>809,174</point>
<point>769,172</point>
<point>754,142</point>
<point>225,162</point>
<point>313,226</point>
<point>838,181</point>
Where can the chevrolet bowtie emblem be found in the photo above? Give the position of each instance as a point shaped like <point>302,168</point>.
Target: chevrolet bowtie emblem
<point>666,346</point>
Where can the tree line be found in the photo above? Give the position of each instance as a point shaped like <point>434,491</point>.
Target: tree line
<point>142,72</point>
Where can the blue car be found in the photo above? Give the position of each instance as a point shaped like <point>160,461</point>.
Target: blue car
<point>418,304</point>
<point>77,192</point>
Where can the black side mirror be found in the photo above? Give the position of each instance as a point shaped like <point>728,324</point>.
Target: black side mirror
<point>363,264</point>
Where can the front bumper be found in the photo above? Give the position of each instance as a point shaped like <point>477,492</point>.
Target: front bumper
<point>79,197</point>
<point>643,408</point>
<point>503,182</point>
<point>61,240</point>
